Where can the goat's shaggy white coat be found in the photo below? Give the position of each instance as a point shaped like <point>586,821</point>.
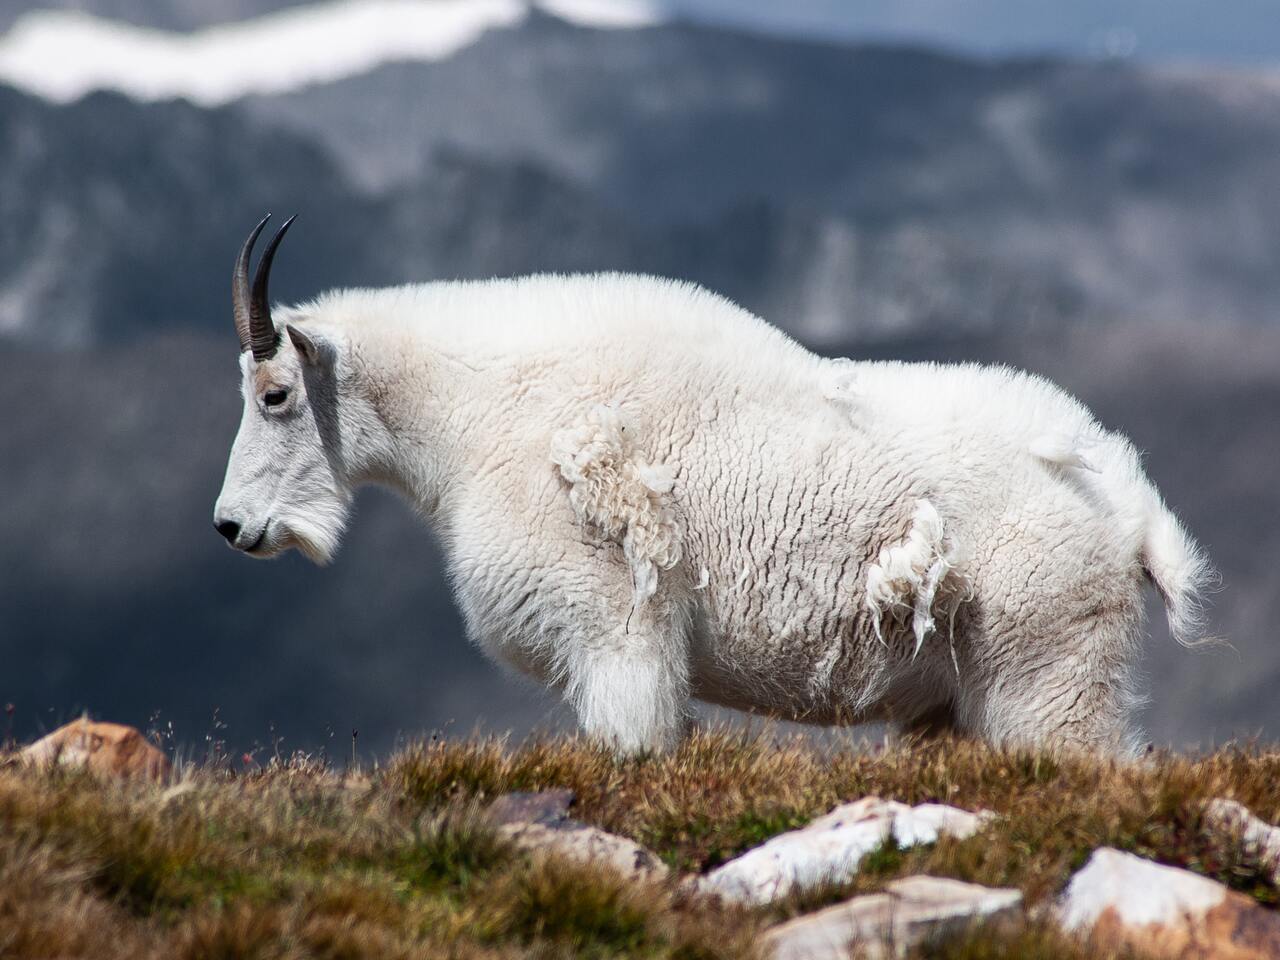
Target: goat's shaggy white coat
<point>647,494</point>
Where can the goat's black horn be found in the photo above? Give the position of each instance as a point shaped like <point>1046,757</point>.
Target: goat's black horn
<point>240,286</point>
<point>263,338</point>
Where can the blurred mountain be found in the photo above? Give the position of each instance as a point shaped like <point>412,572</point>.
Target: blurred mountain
<point>841,191</point>
<point>1114,227</point>
<point>122,219</point>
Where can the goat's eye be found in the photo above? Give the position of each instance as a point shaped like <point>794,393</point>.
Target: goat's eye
<point>273,398</point>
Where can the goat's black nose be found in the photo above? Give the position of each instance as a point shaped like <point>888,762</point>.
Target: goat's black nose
<point>229,529</point>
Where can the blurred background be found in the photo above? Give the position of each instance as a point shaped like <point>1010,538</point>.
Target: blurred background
<point>1088,190</point>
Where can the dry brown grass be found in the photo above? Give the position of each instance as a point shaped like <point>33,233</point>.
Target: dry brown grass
<point>297,861</point>
<point>720,794</point>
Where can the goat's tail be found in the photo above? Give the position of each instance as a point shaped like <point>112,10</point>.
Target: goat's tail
<point>1179,570</point>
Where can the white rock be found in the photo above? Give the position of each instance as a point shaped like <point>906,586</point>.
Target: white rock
<point>1165,911</point>
<point>910,911</point>
<point>831,847</point>
<point>1259,838</point>
<point>1139,891</point>
<point>586,844</point>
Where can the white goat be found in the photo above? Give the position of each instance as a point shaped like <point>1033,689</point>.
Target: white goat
<point>647,494</point>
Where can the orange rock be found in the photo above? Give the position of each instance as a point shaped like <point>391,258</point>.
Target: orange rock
<point>1163,911</point>
<point>110,748</point>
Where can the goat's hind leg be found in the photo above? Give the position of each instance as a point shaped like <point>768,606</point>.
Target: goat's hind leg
<point>1075,690</point>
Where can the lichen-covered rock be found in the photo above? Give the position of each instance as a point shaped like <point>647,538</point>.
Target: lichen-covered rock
<point>908,912</point>
<point>1165,911</point>
<point>831,847</point>
<point>109,748</point>
<point>1259,839</point>
<point>586,844</point>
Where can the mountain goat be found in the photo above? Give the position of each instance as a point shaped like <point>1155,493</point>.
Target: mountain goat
<point>646,495</point>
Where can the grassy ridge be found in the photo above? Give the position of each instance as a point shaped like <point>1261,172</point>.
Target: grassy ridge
<point>296,860</point>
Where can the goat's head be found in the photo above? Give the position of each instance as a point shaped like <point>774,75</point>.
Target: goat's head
<point>285,484</point>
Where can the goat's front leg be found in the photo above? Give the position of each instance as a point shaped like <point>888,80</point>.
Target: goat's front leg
<point>626,673</point>
<point>628,682</point>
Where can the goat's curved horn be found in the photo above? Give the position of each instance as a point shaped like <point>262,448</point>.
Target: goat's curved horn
<point>263,339</point>
<point>240,286</point>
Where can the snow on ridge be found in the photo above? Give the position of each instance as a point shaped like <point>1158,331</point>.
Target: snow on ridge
<point>603,14</point>
<point>62,55</point>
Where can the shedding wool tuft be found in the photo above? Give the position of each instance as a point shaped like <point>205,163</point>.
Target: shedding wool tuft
<point>909,576</point>
<point>620,495</point>
<point>1062,450</point>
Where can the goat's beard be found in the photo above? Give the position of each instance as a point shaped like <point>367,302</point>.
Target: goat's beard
<point>316,530</point>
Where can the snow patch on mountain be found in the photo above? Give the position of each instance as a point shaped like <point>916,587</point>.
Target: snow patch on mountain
<point>62,55</point>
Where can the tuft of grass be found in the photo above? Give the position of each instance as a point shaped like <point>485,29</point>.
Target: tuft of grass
<point>589,911</point>
<point>594,913</point>
<point>450,851</point>
<point>295,859</point>
<point>884,860</point>
<point>1025,940</point>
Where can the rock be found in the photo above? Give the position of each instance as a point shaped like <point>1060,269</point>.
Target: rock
<point>109,748</point>
<point>1258,838</point>
<point>540,822</point>
<point>1165,911</point>
<point>882,924</point>
<point>547,807</point>
<point>586,844</point>
<point>831,847</point>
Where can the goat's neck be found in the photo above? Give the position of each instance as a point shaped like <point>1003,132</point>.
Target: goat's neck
<point>419,399</point>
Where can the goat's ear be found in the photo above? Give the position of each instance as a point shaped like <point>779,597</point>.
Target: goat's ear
<point>311,347</point>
